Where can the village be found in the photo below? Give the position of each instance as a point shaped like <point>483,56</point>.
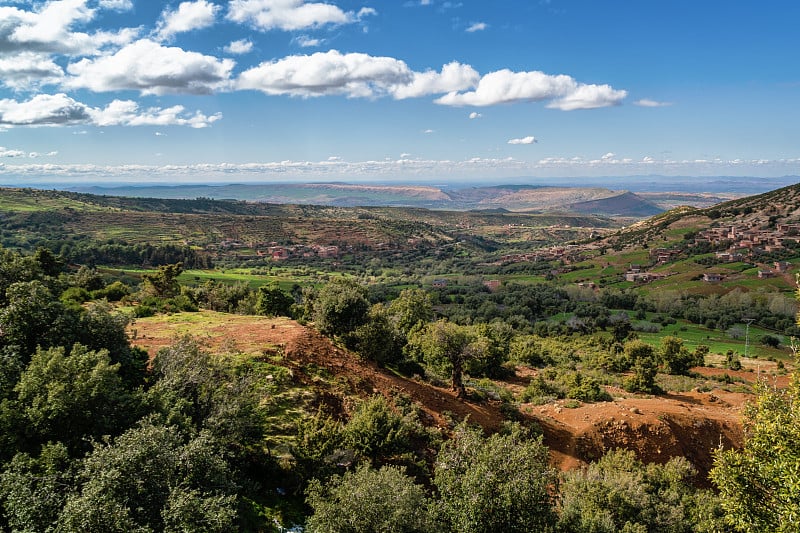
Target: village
<point>733,244</point>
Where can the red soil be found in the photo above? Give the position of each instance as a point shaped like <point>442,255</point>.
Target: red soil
<point>690,424</point>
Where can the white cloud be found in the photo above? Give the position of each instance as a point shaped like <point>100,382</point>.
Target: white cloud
<point>474,115</point>
<point>60,110</point>
<point>290,15</point>
<point>27,70</point>
<point>530,139</point>
<point>8,152</point>
<point>128,113</point>
<point>189,16</point>
<point>43,109</point>
<point>505,87</point>
<point>48,29</point>
<point>609,156</point>
<point>326,73</point>
<point>116,5</point>
<point>151,68</point>
<point>645,102</point>
<point>388,169</point>
<point>428,132</point>
<point>453,77</point>
<point>478,26</point>
<point>589,97</point>
<point>306,41</point>
<point>242,46</point>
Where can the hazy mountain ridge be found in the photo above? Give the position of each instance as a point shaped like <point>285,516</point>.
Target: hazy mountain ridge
<point>519,198</point>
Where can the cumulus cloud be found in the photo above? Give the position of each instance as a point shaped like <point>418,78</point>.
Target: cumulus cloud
<point>60,110</point>
<point>43,109</point>
<point>453,77</point>
<point>326,73</point>
<point>27,70</point>
<point>49,29</point>
<point>645,102</point>
<point>151,68</point>
<point>128,113</point>
<point>290,15</point>
<point>589,97</point>
<point>474,115</point>
<point>530,139</point>
<point>478,26</point>
<point>8,152</point>
<point>189,16</point>
<point>242,46</point>
<point>505,87</point>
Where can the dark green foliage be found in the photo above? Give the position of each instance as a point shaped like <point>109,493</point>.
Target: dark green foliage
<point>152,478</point>
<point>226,297</point>
<point>71,397</point>
<point>318,446</point>
<point>643,378</point>
<point>620,494</point>
<point>113,292</point>
<point>410,308</point>
<point>377,339</point>
<point>489,349</point>
<point>32,489</point>
<point>528,349</point>
<point>444,344</point>
<point>620,326</point>
<point>375,430</point>
<point>541,391</point>
<point>33,317</point>
<point>369,501</point>
<point>644,368</point>
<point>196,391</point>
<point>760,484</point>
<point>271,301</point>
<point>75,295</point>
<point>49,263</point>
<point>676,358</point>
<point>164,282</point>
<point>772,341</point>
<point>101,327</point>
<point>500,483</point>
<point>581,387</point>
<point>340,307</point>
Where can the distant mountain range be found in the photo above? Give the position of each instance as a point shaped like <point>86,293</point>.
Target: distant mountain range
<point>516,198</point>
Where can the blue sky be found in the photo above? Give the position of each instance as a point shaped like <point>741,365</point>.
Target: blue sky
<point>450,91</point>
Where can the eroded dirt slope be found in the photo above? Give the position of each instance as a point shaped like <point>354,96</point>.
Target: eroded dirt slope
<point>688,424</point>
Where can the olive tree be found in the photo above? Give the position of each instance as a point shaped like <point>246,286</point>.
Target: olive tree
<point>500,483</point>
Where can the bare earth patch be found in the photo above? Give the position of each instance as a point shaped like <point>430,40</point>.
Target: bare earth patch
<point>690,424</point>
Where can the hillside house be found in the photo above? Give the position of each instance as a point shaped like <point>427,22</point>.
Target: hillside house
<point>440,283</point>
<point>782,266</point>
<point>765,274</point>
<point>711,277</point>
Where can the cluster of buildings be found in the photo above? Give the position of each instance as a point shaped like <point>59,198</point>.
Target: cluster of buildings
<point>566,253</point>
<point>742,242</point>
